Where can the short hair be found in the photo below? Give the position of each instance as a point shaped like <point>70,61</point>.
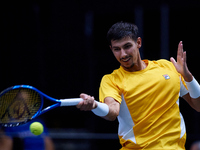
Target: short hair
<point>121,30</point>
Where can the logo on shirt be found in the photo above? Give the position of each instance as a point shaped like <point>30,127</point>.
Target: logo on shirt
<point>166,76</point>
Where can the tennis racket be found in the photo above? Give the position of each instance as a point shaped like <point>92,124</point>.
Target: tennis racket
<point>21,103</point>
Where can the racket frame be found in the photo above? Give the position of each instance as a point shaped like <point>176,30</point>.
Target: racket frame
<point>58,103</point>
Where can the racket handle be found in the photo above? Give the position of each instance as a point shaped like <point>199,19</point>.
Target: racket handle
<point>70,102</point>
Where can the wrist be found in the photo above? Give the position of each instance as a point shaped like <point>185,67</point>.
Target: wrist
<point>193,88</point>
<point>101,109</point>
<point>95,105</point>
<point>188,77</point>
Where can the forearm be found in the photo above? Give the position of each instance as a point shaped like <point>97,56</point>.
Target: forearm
<point>108,110</point>
<point>196,104</point>
<point>188,77</point>
<point>194,92</point>
<point>112,115</point>
<point>101,109</point>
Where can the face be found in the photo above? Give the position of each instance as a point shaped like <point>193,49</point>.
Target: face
<point>195,146</point>
<point>126,51</point>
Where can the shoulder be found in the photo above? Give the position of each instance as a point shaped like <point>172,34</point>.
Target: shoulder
<point>114,76</point>
<point>110,86</point>
<point>165,64</point>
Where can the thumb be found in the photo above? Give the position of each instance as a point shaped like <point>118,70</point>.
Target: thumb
<point>173,61</point>
<point>83,96</point>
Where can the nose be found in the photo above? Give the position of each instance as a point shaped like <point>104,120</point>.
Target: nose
<point>123,53</point>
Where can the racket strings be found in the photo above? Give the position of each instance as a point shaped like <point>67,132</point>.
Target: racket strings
<point>19,105</point>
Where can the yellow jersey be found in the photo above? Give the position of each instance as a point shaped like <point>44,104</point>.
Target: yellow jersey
<point>149,116</point>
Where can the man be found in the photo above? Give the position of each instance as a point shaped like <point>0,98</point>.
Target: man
<point>195,146</point>
<point>144,94</point>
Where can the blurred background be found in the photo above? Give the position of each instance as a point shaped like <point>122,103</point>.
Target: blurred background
<point>60,47</point>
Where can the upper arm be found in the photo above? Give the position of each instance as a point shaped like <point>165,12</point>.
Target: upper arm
<point>114,108</point>
<point>110,93</point>
<point>109,88</point>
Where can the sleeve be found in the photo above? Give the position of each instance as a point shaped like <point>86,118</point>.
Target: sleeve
<point>109,88</point>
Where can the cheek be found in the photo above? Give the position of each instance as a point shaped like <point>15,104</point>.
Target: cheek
<point>117,56</point>
<point>133,52</point>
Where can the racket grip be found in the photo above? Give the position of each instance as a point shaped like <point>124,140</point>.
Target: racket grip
<point>70,102</point>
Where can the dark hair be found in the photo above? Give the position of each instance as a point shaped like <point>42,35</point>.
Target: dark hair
<point>122,29</point>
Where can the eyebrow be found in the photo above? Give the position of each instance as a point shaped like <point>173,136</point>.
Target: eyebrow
<point>115,46</point>
<point>128,43</point>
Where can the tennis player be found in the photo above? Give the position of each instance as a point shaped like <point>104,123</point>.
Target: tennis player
<point>144,95</point>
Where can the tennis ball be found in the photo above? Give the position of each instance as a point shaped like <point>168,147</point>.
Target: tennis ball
<point>36,128</point>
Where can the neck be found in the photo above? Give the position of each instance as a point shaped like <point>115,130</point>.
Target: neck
<point>136,66</point>
<point>140,65</point>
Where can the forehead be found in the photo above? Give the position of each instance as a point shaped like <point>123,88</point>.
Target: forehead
<point>121,42</point>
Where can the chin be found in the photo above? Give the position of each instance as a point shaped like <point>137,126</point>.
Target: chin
<point>129,66</point>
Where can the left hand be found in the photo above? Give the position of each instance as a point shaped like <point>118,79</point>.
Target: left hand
<point>181,65</point>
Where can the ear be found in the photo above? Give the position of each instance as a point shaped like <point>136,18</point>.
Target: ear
<point>110,47</point>
<point>139,42</point>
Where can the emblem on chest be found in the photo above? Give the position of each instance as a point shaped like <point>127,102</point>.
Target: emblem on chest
<point>166,76</point>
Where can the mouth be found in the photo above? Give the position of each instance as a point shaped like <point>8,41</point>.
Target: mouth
<point>125,59</point>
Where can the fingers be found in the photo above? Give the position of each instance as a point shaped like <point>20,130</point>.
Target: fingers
<point>184,57</point>
<point>87,103</point>
<point>84,96</point>
<point>180,50</point>
<point>173,61</point>
<point>181,55</point>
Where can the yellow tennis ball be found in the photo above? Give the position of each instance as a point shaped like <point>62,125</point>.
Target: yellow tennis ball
<point>36,128</point>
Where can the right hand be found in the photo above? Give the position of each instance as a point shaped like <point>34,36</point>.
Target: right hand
<point>87,104</point>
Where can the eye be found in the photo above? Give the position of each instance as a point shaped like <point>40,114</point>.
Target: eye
<point>116,49</point>
<point>127,46</point>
